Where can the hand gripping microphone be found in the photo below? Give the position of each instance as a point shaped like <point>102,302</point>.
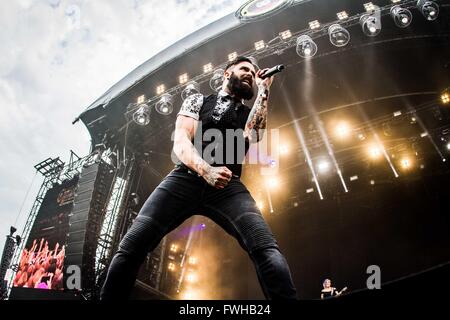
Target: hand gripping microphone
<point>272,71</point>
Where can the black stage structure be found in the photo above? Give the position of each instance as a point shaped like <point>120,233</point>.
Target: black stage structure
<point>338,207</point>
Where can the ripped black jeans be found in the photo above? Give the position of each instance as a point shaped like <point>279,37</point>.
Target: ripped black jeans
<point>180,195</point>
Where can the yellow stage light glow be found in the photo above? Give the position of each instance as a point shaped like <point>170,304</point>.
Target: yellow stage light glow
<point>192,260</point>
<point>375,151</point>
<point>190,294</point>
<point>323,166</point>
<point>260,205</point>
<point>273,183</point>
<point>343,130</point>
<point>284,149</point>
<point>445,97</point>
<point>191,277</point>
<point>406,163</point>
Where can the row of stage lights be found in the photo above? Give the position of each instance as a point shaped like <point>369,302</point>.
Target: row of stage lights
<point>375,152</point>
<point>370,24</point>
<point>190,278</point>
<point>305,47</point>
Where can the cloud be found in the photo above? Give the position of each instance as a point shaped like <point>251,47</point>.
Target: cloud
<point>57,57</point>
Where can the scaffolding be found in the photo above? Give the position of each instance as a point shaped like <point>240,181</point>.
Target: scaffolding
<point>53,170</point>
<point>114,214</point>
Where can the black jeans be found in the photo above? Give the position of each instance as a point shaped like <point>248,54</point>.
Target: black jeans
<point>180,195</point>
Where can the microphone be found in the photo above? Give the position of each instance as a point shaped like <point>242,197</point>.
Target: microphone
<point>272,71</point>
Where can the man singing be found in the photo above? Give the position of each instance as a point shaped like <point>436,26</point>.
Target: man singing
<point>210,187</point>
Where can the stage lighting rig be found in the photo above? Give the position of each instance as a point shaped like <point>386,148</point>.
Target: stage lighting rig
<point>164,106</point>
<point>339,36</point>
<point>429,9</point>
<point>142,115</point>
<point>370,24</point>
<point>306,47</point>
<point>402,16</point>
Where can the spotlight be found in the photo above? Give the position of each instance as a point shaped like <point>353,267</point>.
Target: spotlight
<point>285,34</point>
<point>343,130</point>
<point>142,115</point>
<point>164,105</point>
<point>141,99</point>
<point>323,166</point>
<point>190,295</point>
<point>314,25</point>
<point>448,146</point>
<point>342,15</point>
<point>272,163</point>
<point>370,24</point>
<point>369,6</point>
<point>306,47</point>
<point>260,45</point>
<point>174,248</point>
<point>191,88</point>
<point>429,9</point>
<point>191,277</point>
<point>402,17</point>
<point>339,36</point>
<point>171,266</point>
<point>406,163</point>
<point>134,200</point>
<point>216,80</point>
<point>160,89</point>
<point>183,78</point>
<point>284,149</point>
<point>260,205</point>
<point>272,183</point>
<point>207,67</point>
<point>232,56</point>
<point>445,98</point>
<point>192,260</point>
<point>361,136</point>
<point>375,152</point>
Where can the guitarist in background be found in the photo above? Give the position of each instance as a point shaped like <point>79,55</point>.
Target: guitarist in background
<point>329,291</point>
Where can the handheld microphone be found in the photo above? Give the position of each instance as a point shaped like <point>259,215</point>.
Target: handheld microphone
<point>272,71</point>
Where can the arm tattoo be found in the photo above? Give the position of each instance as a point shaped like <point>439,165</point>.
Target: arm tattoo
<point>257,118</point>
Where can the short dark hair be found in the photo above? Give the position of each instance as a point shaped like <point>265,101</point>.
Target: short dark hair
<point>238,60</point>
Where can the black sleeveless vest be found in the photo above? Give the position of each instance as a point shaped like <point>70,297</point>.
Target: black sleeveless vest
<point>229,148</point>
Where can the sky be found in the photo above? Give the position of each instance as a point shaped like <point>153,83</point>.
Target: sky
<point>59,56</point>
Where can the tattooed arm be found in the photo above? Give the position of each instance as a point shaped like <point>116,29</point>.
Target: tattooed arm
<point>185,128</point>
<point>257,119</point>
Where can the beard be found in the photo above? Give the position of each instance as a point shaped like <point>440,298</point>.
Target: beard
<point>239,88</point>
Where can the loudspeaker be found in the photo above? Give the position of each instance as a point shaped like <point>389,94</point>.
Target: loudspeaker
<point>86,218</point>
